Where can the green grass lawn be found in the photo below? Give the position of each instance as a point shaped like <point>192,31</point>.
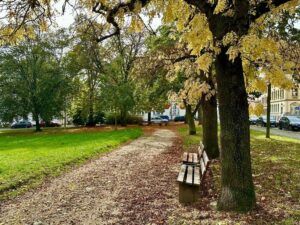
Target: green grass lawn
<point>276,172</point>
<point>27,158</point>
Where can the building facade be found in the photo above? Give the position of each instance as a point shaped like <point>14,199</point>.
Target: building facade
<point>283,102</point>
<point>172,111</point>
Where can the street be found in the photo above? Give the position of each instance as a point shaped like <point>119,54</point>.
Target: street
<point>276,131</point>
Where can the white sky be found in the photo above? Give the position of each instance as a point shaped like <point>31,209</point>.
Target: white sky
<point>67,18</point>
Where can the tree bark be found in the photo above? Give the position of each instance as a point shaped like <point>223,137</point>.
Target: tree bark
<point>123,117</point>
<point>37,122</point>
<point>210,127</point>
<point>65,119</point>
<point>116,122</point>
<point>200,115</point>
<point>268,111</point>
<point>190,120</point>
<point>149,118</point>
<point>236,178</point>
<point>91,121</point>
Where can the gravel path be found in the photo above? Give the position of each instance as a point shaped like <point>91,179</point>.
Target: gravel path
<point>100,192</point>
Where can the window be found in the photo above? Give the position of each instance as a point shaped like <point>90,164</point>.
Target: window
<point>295,92</point>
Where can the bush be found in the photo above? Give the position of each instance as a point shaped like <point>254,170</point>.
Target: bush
<point>131,119</point>
<point>99,117</point>
<point>78,119</point>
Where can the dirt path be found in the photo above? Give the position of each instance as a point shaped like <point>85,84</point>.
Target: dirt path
<point>126,186</point>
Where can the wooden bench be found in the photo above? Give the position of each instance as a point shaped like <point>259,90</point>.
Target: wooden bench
<point>191,174</point>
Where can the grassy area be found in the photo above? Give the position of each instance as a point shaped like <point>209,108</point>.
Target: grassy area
<point>27,158</point>
<point>276,172</point>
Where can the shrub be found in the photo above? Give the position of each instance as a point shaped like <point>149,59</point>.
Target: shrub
<point>78,118</point>
<point>131,119</point>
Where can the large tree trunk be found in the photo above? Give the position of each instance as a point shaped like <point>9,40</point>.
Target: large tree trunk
<point>190,120</point>
<point>237,185</point>
<point>210,127</point>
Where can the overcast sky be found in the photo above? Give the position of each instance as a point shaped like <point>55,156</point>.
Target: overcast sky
<point>67,18</point>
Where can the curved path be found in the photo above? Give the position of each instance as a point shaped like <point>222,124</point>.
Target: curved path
<point>113,189</point>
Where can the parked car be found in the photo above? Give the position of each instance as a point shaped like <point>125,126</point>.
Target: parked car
<point>253,120</point>
<point>52,123</point>
<point>262,121</point>
<point>289,122</point>
<point>165,117</point>
<point>21,124</point>
<point>159,120</point>
<point>179,118</point>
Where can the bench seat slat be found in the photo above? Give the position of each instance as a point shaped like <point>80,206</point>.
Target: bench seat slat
<point>189,176</point>
<point>196,175</point>
<point>182,173</point>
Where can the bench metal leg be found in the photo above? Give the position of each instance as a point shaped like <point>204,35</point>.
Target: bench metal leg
<point>188,193</point>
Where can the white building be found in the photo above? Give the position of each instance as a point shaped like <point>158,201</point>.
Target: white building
<point>173,111</point>
<point>283,102</point>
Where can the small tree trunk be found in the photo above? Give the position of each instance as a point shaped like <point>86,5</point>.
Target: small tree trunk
<point>268,111</point>
<point>65,119</point>
<point>116,122</point>
<point>210,127</point>
<point>37,123</point>
<point>200,115</point>
<point>91,121</point>
<point>237,192</point>
<point>190,120</point>
<point>123,117</point>
<point>149,118</point>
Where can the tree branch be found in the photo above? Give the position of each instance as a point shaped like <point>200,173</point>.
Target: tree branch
<point>202,5</point>
<point>265,7</point>
<point>111,13</point>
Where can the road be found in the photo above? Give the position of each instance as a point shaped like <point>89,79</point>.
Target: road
<point>276,131</point>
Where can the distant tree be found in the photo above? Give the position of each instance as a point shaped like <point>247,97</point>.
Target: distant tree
<point>31,81</point>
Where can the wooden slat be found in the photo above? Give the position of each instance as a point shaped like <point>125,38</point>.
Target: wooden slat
<point>201,145</point>
<point>202,166</point>
<point>190,160</point>
<point>200,149</point>
<point>195,158</point>
<point>199,152</point>
<point>205,157</point>
<point>181,174</point>
<point>196,175</point>
<point>189,176</point>
<point>185,157</point>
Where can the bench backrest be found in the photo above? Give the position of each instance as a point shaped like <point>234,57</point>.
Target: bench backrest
<point>204,160</point>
